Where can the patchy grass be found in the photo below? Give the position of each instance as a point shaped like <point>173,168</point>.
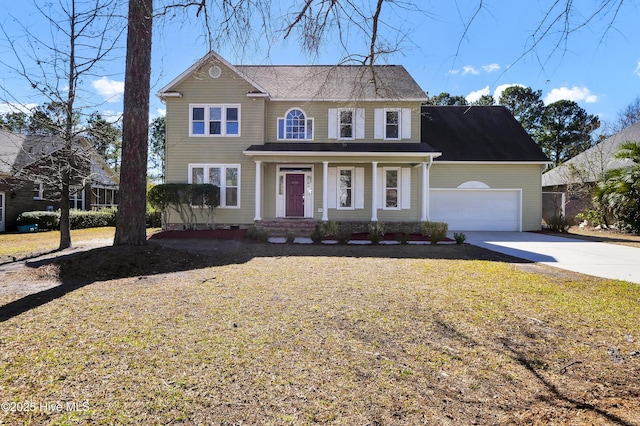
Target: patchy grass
<point>29,244</point>
<point>272,336</point>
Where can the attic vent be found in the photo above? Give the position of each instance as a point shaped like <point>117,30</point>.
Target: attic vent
<point>215,71</point>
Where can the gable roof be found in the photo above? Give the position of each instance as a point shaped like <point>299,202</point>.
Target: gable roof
<point>316,82</point>
<point>590,165</point>
<point>18,151</point>
<point>478,133</point>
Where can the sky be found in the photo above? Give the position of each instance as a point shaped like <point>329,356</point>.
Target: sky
<point>449,47</point>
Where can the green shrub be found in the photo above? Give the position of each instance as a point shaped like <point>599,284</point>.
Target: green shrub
<point>594,217</point>
<point>316,235</point>
<point>437,231</point>
<point>44,220</point>
<point>459,237</point>
<point>81,219</point>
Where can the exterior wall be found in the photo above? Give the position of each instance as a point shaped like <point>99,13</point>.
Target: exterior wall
<point>183,150</point>
<point>319,111</point>
<point>498,176</point>
<point>19,199</point>
<point>364,214</point>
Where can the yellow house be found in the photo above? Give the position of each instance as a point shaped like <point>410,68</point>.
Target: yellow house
<point>302,144</point>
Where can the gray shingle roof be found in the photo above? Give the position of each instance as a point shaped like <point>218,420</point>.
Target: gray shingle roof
<point>343,83</point>
<point>316,82</point>
<point>590,165</point>
<point>477,133</point>
<point>18,151</point>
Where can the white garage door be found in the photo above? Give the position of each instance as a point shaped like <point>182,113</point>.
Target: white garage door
<point>477,209</point>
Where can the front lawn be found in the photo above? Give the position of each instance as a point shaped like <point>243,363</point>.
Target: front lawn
<point>274,334</point>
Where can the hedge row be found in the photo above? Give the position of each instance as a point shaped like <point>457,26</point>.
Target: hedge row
<point>80,219</point>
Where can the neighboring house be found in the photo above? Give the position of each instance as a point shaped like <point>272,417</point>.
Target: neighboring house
<point>567,188</point>
<point>23,157</point>
<point>347,144</point>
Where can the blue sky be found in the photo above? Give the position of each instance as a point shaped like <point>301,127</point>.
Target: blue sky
<point>598,66</point>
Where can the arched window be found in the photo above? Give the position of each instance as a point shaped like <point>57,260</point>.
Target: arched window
<point>295,125</point>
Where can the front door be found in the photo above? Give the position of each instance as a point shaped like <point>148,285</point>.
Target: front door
<point>294,195</point>
<point>1,211</point>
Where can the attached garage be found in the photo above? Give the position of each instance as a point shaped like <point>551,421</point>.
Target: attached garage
<point>477,209</point>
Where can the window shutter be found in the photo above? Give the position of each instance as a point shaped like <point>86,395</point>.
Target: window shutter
<point>359,188</point>
<point>333,123</point>
<point>332,189</point>
<point>406,188</point>
<point>379,123</point>
<point>380,188</point>
<point>360,123</point>
<point>406,123</point>
<point>280,128</point>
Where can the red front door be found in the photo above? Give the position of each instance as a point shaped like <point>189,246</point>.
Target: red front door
<point>295,195</point>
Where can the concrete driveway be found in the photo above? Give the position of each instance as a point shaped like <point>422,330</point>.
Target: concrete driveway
<point>591,258</point>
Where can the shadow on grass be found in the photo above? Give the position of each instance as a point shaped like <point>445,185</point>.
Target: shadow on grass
<point>77,270</point>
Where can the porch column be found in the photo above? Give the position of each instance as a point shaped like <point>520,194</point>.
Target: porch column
<point>424,214</point>
<point>325,191</point>
<point>258,215</point>
<point>374,191</point>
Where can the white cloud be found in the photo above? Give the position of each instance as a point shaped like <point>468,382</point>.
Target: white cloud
<point>498,92</point>
<point>575,94</point>
<point>13,107</point>
<point>491,68</point>
<point>468,69</point>
<point>110,90</point>
<point>477,94</point>
<point>453,72</point>
<point>637,70</point>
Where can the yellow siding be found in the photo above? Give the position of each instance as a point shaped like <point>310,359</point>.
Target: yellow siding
<point>498,176</point>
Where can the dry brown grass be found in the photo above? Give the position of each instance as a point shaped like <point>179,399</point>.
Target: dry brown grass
<point>603,235</point>
<point>289,335</point>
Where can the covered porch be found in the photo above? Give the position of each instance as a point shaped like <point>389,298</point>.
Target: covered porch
<point>342,182</point>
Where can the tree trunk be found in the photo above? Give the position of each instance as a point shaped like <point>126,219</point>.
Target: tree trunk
<point>65,224</point>
<point>130,223</point>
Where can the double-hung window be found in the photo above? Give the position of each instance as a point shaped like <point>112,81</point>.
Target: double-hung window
<point>345,188</point>
<point>214,120</point>
<point>392,123</point>
<point>346,124</point>
<point>38,191</point>
<point>391,188</point>
<point>224,176</point>
<point>295,125</point>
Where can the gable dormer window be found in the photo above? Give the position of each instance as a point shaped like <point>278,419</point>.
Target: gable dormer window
<point>295,125</point>
<point>214,120</point>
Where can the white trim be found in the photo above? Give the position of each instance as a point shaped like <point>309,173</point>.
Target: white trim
<point>211,57</point>
<point>258,199</point>
<point>338,192</point>
<point>308,171</point>
<point>223,184</point>
<point>462,191</point>
<point>342,154</point>
<point>360,126</point>
<point>374,191</point>
<point>405,123</point>
<point>399,180</point>
<point>207,120</point>
<point>307,120</point>
<point>40,186</point>
<point>353,124</point>
<point>325,187</point>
